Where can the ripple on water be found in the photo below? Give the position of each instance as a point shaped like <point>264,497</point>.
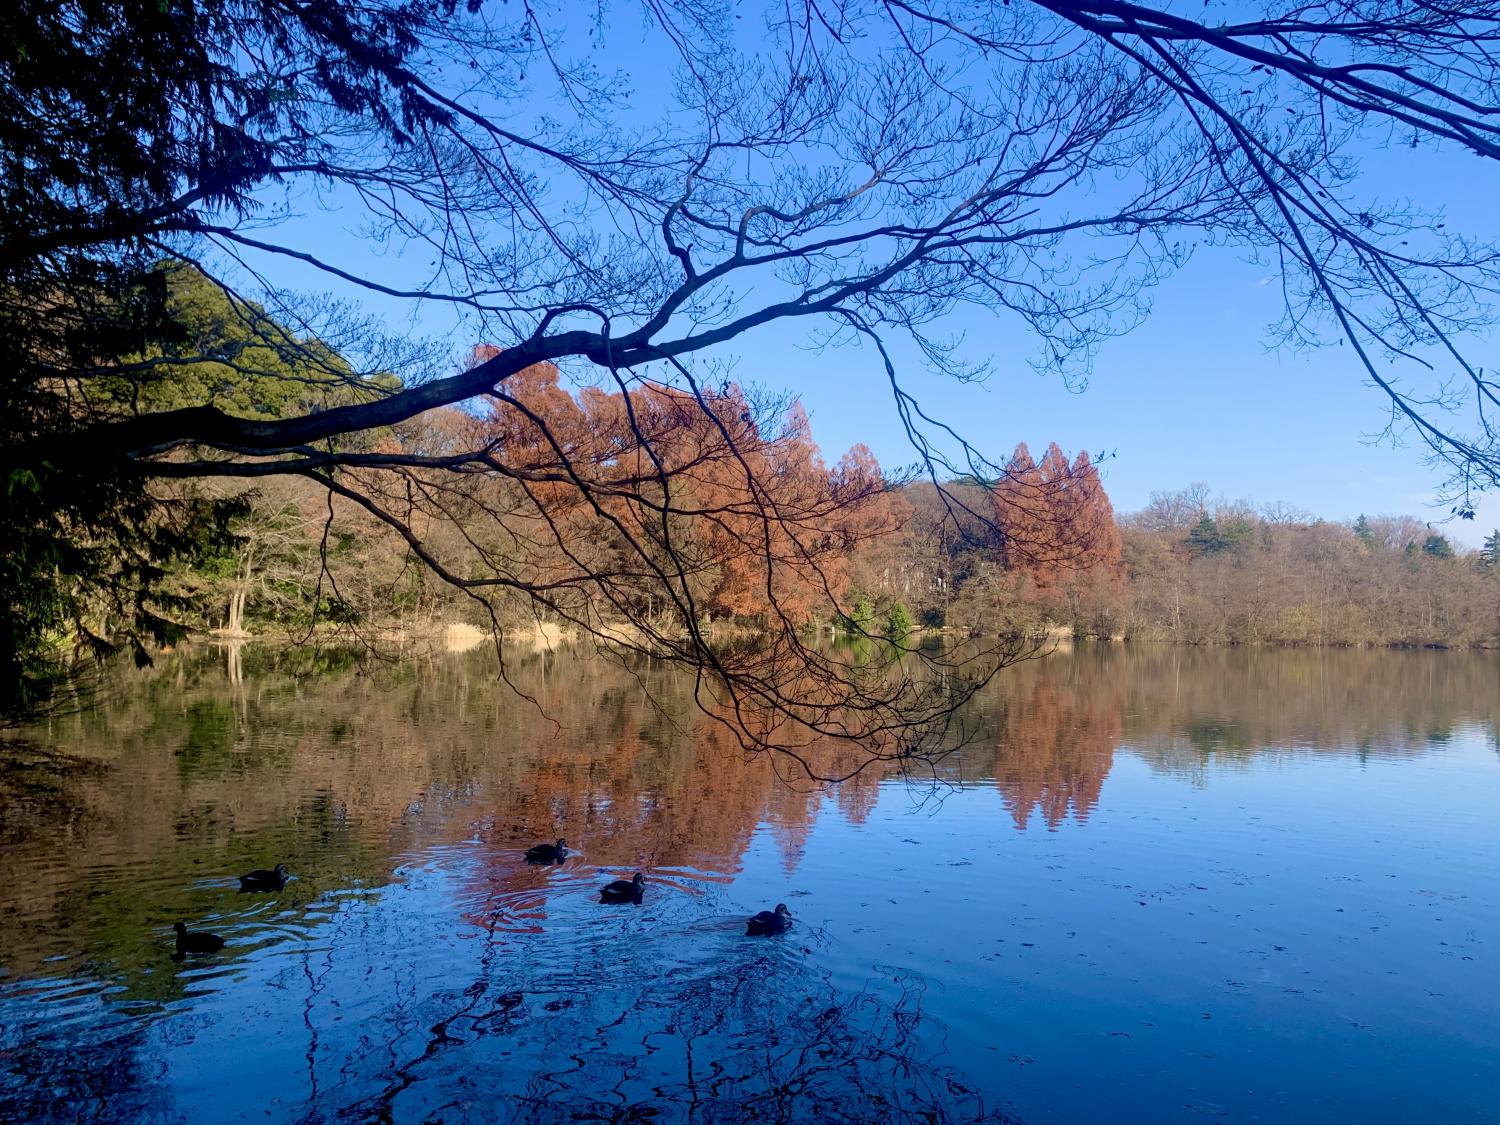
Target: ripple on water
<point>550,917</point>
<point>1083,912</point>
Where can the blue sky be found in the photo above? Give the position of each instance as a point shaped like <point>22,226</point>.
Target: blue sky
<point>1196,393</point>
<point>1193,394</point>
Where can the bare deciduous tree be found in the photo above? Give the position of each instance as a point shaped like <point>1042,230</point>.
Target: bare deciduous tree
<point>868,168</point>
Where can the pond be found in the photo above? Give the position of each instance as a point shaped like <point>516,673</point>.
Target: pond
<point>1160,884</point>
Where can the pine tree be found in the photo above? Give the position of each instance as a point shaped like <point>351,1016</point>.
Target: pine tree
<point>1489,554</point>
<point>1204,539</point>
<point>1362,531</point>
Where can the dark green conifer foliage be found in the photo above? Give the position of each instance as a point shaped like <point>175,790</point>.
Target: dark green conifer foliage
<point>1437,547</point>
<point>1489,554</point>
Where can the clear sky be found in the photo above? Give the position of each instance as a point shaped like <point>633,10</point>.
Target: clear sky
<point>1196,393</point>
<point>1193,394</point>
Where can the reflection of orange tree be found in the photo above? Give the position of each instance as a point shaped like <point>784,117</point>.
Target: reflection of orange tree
<point>1057,741</point>
<point>343,775</point>
<point>644,790</point>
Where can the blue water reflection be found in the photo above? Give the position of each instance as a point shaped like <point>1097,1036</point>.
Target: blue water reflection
<point>1230,889</point>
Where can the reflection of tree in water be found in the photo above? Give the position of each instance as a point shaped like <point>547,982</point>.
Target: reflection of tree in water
<point>39,791</point>
<point>755,1041</point>
<point>349,778</point>
<point>339,771</point>
<point>1058,722</point>
<point>63,1072</point>
<point>1186,706</point>
<point>1057,741</point>
<point>337,775</point>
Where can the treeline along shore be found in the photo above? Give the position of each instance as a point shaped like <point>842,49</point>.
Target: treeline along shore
<point>590,495</point>
<point>1216,574</point>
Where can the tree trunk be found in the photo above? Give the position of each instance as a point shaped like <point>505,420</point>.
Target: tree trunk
<point>235,626</point>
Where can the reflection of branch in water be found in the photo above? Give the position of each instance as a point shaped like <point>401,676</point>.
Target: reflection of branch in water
<point>39,789</point>
<point>760,1040</point>
<point>60,1074</point>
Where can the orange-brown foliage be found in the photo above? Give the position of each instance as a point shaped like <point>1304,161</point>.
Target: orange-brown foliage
<point>1056,747</point>
<point>727,497</point>
<point>1055,517</point>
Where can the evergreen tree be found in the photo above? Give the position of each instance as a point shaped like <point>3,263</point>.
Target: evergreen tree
<point>1438,547</point>
<point>134,130</point>
<point>89,557</point>
<point>1362,531</point>
<point>1235,534</point>
<point>1212,536</point>
<point>1204,539</point>
<point>1489,554</point>
<point>861,614</point>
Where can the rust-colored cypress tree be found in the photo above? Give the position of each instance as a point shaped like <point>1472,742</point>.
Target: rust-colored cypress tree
<point>1055,517</point>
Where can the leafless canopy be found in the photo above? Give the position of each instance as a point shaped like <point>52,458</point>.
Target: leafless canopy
<point>630,194</point>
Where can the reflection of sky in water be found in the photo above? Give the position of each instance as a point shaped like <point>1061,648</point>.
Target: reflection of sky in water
<point>1203,928</point>
<point>387,1010</point>
<point>1301,939</point>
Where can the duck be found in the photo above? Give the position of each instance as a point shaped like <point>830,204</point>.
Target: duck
<point>548,853</point>
<point>196,941</point>
<point>621,891</point>
<point>262,880</point>
<point>769,922</point>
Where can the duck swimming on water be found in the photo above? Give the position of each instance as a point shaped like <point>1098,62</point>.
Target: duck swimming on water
<point>620,891</point>
<point>768,922</point>
<point>548,853</point>
<point>262,880</point>
<point>196,941</point>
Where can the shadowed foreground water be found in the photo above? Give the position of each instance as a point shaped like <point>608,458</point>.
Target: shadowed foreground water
<point>1163,885</point>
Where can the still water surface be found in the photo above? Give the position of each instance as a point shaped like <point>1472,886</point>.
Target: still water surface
<point>1165,885</point>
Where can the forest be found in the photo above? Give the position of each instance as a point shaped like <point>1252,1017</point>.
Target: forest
<point>1036,549</point>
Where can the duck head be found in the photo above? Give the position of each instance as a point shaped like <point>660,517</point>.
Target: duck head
<point>282,871</point>
<point>562,845</point>
<point>639,881</point>
<point>180,927</point>
<point>782,911</point>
